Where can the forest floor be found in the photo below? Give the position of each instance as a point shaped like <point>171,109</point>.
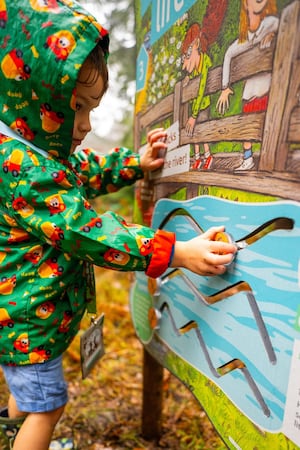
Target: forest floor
<point>104,410</point>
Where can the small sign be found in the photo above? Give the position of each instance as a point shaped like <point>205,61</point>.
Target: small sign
<point>92,346</point>
<point>176,161</point>
<point>141,68</point>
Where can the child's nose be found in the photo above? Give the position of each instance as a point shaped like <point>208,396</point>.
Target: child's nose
<point>85,125</point>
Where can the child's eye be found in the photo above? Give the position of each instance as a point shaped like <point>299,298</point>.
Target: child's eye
<point>77,106</point>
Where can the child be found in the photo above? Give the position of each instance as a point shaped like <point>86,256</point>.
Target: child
<point>53,73</point>
<point>258,25</point>
<point>196,62</point>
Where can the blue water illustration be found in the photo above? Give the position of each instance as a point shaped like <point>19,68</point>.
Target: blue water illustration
<point>255,327</point>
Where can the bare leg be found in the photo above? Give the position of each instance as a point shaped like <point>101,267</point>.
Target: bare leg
<point>247,145</point>
<point>37,430</point>
<point>206,149</point>
<point>197,151</point>
<point>13,411</point>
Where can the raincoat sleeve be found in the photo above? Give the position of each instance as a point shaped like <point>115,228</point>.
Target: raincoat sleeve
<point>56,211</point>
<point>102,174</point>
<point>202,101</point>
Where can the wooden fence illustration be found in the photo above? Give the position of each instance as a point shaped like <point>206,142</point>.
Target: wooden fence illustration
<point>277,171</point>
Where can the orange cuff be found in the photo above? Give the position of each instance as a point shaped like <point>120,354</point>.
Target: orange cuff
<point>163,243</point>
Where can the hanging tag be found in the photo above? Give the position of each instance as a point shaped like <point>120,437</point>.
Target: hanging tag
<point>90,288</point>
<point>91,346</point>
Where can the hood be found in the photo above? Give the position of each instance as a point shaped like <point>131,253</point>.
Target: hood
<point>41,51</point>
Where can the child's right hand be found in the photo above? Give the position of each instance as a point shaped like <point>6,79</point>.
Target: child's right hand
<point>150,160</point>
<point>203,255</point>
<point>223,101</point>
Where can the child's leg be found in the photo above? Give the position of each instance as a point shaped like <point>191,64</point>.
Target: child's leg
<point>37,429</point>
<point>197,161</point>
<point>208,159</point>
<point>13,410</point>
<point>248,161</point>
<point>10,426</point>
<point>206,149</point>
<point>40,392</point>
<point>247,148</point>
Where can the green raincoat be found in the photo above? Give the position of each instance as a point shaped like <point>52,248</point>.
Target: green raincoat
<point>50,236</point>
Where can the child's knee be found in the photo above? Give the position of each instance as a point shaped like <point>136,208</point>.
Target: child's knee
<point>56,414</point>
<point>49,417</point>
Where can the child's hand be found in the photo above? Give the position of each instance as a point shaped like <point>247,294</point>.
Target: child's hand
<point>267,40</point>
<point>190,126</point>
<point>203,255</point>
<point>151,159</point>
<point>223,101</point>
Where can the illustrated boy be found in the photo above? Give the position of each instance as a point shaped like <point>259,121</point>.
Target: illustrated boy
<point>196,62</point>
<point>53,73</point>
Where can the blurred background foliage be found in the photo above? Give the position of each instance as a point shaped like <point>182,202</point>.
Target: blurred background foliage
<point>118,17</point>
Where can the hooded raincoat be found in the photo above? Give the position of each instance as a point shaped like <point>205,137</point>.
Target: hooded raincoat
<point>50,235</point>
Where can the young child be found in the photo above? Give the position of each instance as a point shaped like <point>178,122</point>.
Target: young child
<point>258,26</point>
<point>197,62</point>
<point>53,73</point>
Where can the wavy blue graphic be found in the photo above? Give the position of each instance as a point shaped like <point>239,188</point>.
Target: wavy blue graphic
<point>242,341</point>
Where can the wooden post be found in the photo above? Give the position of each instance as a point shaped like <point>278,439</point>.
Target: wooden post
<point>152,397</point>
<point>274,149</point>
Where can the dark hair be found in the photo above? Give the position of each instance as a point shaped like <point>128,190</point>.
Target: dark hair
<point>96,59</point>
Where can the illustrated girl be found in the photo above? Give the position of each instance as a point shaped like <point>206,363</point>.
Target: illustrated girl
<point>258,25</point>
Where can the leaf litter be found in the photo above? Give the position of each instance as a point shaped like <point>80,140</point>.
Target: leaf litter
<point>105,409</point>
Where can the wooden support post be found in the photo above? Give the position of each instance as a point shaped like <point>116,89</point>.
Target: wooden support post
<point>152,397</point>
<point>283,92</point>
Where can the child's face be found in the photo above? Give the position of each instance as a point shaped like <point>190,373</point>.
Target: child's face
<point>256,6</point>
<point>88,97</point>
<point>190,59</point>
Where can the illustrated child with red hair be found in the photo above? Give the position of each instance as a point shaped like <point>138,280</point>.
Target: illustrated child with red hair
<point>197,62</point>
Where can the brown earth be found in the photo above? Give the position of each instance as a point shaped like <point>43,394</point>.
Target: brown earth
<point>104,411</point>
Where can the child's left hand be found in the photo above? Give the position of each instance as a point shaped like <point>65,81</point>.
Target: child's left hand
<point>151,160</point>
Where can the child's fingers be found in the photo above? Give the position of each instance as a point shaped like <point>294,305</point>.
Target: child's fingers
<point>156,135</point>
<point>211,232</point>
<point>222,248</point>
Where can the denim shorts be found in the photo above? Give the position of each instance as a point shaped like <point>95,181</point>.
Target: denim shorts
<point>37,387</point>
